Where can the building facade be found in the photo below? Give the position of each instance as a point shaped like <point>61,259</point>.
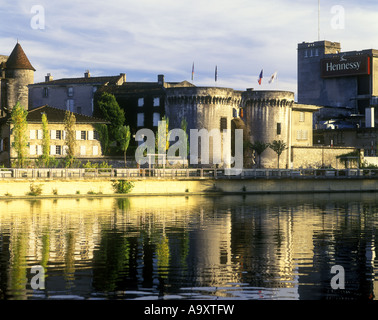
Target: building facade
<point>73,94</point>
<point>87,147</point>
<point>329,77</point>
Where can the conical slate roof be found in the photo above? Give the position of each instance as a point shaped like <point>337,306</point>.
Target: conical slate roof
<point>18,59</point>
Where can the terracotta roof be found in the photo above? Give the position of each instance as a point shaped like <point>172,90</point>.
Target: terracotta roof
<point>55,115</point>
<point>18,59</point>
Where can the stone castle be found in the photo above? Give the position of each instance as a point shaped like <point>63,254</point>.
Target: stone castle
<point>263,115</point>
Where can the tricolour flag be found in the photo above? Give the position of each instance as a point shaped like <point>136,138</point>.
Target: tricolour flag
<point>273,77</point>
<point>260,77</point>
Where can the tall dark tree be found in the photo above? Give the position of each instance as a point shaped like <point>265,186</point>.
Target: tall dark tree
<point>106,107</point>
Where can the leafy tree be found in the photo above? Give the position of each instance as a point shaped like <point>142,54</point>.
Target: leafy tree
<point>278,146</point>
<point>184,127</point>
<point>20,125</point>
<point>106,107</point>
<point>45,141</point>
<point>123,137</point>
<point>103,132</point>
<point>160,142</point>
<point>70,141</point>
<point>259,147</point>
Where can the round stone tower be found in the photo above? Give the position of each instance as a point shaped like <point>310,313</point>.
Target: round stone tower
<point>19,73</point>
<point>203,108</point>
<point>267,118</point>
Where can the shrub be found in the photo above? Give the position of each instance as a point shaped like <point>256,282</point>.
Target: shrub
<point>35,190</point>
<point>122,186</point>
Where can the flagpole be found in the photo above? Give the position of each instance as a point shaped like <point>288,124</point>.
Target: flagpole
<point>318,20</point>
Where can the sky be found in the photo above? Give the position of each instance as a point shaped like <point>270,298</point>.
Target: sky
<point>144,38</point>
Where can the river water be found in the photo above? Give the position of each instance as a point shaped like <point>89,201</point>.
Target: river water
<point>270,247</point>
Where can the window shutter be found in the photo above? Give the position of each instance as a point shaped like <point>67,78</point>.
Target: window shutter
<point>32,150</point>
<point>52,150</point>
<point>32,134</point>
<point>78,135</point>
<point>39,134</point>
<point>39,150</point>
<point>65,148</point>
<point>95,150</point>
<point>64,134</point>
<point>90,135</point>
<point>53,134</point>
<point>82,150</point>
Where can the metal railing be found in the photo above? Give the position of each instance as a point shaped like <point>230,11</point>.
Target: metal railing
<point>196,173</point>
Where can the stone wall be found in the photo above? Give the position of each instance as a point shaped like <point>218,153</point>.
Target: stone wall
<point>202,108</point>
<point>17,87</point>
<point>317,157</point>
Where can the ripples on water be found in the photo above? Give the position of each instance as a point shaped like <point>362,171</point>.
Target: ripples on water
<point>233,247</point>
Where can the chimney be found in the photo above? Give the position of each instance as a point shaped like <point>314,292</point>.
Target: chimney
<point>87,74</point>
<point>48,77</point>
<point>161,79</point>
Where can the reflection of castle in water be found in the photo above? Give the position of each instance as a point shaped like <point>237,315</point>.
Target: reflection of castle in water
<point>112,245</point>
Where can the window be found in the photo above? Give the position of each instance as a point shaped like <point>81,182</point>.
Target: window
<point>156,102</point>
<point>140,102</point>
<point>58,135</point>
<point>301,116</point>
<point>32,150</point>
<point>96,135</point>
<point>140,119</point>
<point>156,119</point>
<point>302,134</point>
<point>58,150</point>
<point>32,134</point>
<point>39,150</point>
<point>278,128</point>
<point>70,105</point>
<point>83,135</point>
<point>45,92</point>
<point>223,124</point>
<point>82,150</point>
<point>70,91</point>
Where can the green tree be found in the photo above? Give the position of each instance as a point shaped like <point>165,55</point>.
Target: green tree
<point>70,141</point>
<point>259,147</point>
<point>20,125</point>
<point>106,107</point>
<point>278,146</point>
<point>184,127</point>
<point>103,132</point>
<point>123,137</point>
<point>45,141</point>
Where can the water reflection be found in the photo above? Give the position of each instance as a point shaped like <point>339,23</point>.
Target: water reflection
<point>241,247</point>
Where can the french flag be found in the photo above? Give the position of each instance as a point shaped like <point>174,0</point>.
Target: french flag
<point>260,77</point>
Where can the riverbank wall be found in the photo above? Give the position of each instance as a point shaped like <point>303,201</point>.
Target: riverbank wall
<point>104,187</point>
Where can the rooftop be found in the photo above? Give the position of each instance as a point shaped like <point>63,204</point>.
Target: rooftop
<point>55,115</point>
<point>18,59</point>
